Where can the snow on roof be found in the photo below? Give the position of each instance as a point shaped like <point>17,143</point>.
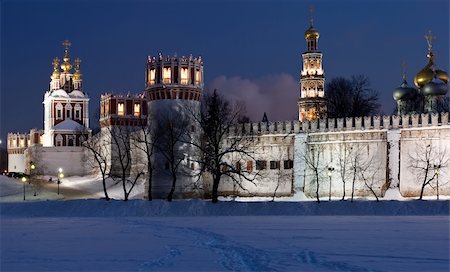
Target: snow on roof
<point>69,124</point>
<point>76,93</point>
<point>59,92</point>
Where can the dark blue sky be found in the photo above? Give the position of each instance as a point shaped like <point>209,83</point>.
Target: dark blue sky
<point>252,49</point>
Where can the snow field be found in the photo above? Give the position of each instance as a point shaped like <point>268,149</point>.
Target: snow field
<point>262,243</point>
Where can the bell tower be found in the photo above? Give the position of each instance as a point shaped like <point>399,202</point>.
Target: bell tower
<point>312,103</point>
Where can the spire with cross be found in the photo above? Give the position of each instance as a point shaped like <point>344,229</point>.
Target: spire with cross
<point>429,37</point>
<point>66,45</point>
<point>404,66</point>
<point>311,13</point>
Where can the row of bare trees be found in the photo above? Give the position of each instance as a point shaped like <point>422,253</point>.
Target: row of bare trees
<point>355,164</point>
<point>166,138</point>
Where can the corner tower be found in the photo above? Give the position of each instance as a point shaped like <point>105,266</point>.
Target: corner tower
<point>174,86</point>
<point>312,103</point>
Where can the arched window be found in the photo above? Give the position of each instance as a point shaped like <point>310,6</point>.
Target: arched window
<point>120,108</point>
<point>59,109</point>
<point>167,75</point>
<point>184,76</point>
<point>68,111</point>
<point>78,112</point>
<point>59,140</point>
<point>70,140</point>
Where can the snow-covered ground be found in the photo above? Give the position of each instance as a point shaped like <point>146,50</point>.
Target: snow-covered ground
<point>90,187</point>
<point>196,235</point>
<point>226,243</point>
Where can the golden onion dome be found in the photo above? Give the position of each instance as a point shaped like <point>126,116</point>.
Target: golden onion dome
<point>311,33</point>
<point>424,76</point>
<point>442,75</point>
<point>66,66</point>
<point>56,72</point>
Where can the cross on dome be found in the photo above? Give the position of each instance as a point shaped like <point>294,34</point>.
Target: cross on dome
<point>429,37</point>
<point>66,45</point>
<point>311,13</point>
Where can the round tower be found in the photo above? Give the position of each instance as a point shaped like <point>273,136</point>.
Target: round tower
<point>312,103</point>
<point>174,87</point>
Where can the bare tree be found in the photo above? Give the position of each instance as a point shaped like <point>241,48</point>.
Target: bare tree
<point>121,157</point>
<point>221,140</point>
<point>344,162</point>
<point>426,161</point>
<point>369,173</point>
<point>145,141</point>
<point>351,97</point>
<point>313,162</point>
<point>97,145</point>
<point>172,134</point>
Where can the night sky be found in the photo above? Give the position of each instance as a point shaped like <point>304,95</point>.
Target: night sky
<point>252,49</point>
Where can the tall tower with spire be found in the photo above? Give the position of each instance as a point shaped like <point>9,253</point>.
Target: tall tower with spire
<point>312,103</point>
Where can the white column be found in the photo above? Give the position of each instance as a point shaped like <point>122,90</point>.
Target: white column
<point>393,141</point>
<point>299,162</point>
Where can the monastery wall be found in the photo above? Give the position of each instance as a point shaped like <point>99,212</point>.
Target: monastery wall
<point>375,152</point>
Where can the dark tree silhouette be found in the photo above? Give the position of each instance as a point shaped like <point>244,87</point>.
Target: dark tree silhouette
<point>351,97</point>
<point>220,139</point>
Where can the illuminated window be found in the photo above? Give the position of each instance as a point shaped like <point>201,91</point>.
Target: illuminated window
<point>184,76</point>
<point>151,76</point>
<point>22,143</point>
<point>198,77</point>
<point>249,166</point>
<point>120,108</point>
<point>137,109</point>
<point>14,143</point>
<point>167,75</point>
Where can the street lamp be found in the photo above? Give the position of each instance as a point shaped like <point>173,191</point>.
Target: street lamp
<point>60,176</point>
<point>32,167</point>
<point>24,180</point>
<point>436,172</point>
<point>330,172</point>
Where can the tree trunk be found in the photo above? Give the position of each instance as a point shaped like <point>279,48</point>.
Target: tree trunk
<point>172,189</point>
<point>343,190</point>
<point>124,188</point>
<point>353,186</point>
<point>329,194</point>
<point>150,175</point>
<point>317,186</point>
<point>215,189</point>
<point>104,188</point>
<point>421,190</point>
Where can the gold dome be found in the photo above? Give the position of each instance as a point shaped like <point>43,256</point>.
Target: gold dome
<point>311,33</point>
<point>56,72</point>
<point>424,76</point>
<point>442,75</point>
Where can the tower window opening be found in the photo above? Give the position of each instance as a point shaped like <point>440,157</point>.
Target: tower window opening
<point>184,76</point>
<point>167,75</point>
<point>121,108</point>
<point>137,109</point>
<point>198,77</point>
<point>151,76</point>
